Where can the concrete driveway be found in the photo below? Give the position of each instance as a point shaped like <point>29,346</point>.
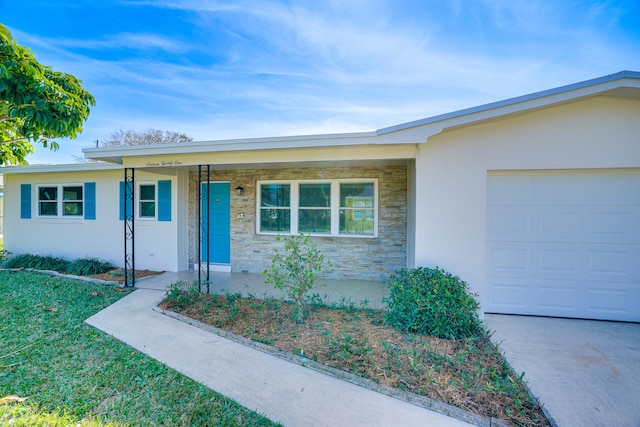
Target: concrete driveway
<point>585,372</point>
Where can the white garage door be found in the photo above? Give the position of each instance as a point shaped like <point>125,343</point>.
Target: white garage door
<point>564,244</point>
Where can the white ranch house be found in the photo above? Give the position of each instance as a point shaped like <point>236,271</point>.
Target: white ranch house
<point>534,201</point>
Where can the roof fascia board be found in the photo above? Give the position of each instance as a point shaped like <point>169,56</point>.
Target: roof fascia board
<point>74,167</point>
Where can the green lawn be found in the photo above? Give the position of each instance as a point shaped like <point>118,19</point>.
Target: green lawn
<point>73,374</point>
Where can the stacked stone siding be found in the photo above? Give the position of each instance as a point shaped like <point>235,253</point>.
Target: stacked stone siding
<point>352,257</point>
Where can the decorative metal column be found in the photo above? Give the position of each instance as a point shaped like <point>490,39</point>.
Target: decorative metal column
<point>204,210</point>
<point>129,228</point>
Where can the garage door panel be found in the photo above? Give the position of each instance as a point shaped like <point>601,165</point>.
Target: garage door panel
<point>557,224</point>
<point>508,190</point>
<point>569,189</point>
<point>564,244</point>
<point>564,224</point>
<point>561,298</point>
<point>564,261</point>
<point>618,224</point>
<point>613,189</point>
<point>507,295</point>
<point>509,222</point>
<point>614,262</point>
<point>612,303</point>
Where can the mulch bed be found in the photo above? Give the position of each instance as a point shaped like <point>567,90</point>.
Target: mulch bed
<point>468,374</point>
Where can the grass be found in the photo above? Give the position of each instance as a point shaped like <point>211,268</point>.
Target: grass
<point>73,374</point>
<point>469,373</point>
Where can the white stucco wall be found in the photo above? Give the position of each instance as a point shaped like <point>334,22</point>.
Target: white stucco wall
<point>156,241</point>
<point>452,167</point>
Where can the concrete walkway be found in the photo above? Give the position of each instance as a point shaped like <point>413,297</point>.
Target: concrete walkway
<point>283,391</point>
<point>585,372</point>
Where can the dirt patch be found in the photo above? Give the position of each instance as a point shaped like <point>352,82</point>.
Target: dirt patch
<point>469,374</point>
<point>118,275</point>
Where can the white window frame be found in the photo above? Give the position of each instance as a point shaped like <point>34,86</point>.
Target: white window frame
<point>139,200</point>
<point>335,205</point>
<point>60,202</point>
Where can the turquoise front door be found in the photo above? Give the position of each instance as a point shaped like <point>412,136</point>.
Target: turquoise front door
<point>219,221</point>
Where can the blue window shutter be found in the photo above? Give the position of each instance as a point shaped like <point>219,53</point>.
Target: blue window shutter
<point>25,200</point>
<point>89,200</point>
<point>164,200</point>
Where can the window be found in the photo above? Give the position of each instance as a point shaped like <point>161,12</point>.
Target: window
<point>72,201</point>
<point>314,214</point>
<point>357,214</point>
<point>329,207</point>
<point>275,207</point>
<point>50,203</point>
<point>147,201</point>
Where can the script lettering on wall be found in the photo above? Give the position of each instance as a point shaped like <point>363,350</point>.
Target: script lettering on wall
<point>164,163</point>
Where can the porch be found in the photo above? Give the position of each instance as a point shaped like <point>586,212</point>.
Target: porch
<point>331,291</point>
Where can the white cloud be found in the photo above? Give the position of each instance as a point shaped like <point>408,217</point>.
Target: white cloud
<point>265,69</point>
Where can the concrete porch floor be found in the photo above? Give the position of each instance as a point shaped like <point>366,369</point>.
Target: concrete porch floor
<point>331,291</point>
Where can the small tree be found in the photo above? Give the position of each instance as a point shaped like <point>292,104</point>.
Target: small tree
<point>37,103</point>
<point>295,272</point>
<point>146,137</point>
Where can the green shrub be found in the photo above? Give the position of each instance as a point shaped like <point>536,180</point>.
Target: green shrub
<point>182,294</point>
<point>4,255</point>
<point>87,266</point>
<point>432,302</point>
<point>37,262</point>
<point>79,267</point>
<point>295,272</point>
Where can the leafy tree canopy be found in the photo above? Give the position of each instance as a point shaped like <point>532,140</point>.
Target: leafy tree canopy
<point>147,137</point>
<point>37,103</point>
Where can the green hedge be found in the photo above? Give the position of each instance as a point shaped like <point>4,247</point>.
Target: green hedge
<point>78,267</point>
<point>432,302</point>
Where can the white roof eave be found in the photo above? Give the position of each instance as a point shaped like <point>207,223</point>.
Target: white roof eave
<point>71,167</point>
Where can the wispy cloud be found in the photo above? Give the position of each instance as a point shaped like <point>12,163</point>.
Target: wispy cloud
<point>128,41</point>
<point>254,68</point>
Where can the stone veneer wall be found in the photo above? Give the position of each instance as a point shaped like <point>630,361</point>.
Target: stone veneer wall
<point>352,258</point>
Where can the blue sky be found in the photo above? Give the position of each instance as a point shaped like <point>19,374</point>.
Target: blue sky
<point>236,69</point>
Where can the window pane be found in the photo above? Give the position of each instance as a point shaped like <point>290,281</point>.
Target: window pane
<point>72,193</point>
<point>72,209</point>
<point>356,195</point>
<point>356,221</point>
<point>48,201</point>
<point>147,209</point>
<point>48,208</point>
<point>275,220</point>
<point>314,221</point>
<point>273,195</point>
<point>147,192</point>
<point>48,193</point>
<point>315,195</point>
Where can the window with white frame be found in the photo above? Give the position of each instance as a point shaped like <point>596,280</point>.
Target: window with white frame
<point>147,201</point>
<point>60,200</point>
<point>346,207</point>
<point>275,207</point>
